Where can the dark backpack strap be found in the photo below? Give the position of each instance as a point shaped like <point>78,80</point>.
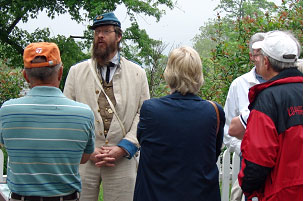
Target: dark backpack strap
<point>217,116</point>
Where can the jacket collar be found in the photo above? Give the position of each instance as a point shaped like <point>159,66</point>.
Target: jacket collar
<point>188,96</point>
<point>251,76</point>
<point>291,75</point>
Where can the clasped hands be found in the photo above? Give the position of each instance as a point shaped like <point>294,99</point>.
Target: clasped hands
<point>107,156</point>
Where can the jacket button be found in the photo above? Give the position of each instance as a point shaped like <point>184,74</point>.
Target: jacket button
<point>97,121</point>
<point>97,92</point>
<point>107,141</point>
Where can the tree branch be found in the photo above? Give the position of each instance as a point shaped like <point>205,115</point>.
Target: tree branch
<point>18,18</point>
<point>4,37</point>
<point>81,37</point>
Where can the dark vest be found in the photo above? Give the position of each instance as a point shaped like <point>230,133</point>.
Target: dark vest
<point>104,107</point>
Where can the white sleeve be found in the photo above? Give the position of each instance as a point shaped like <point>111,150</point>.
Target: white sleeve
<point>244,117</point>
<point>231,110</point>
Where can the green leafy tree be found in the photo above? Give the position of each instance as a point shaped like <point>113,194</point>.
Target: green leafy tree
<point>157,85</point>
<point>237,9</point>
<point>205,42</point>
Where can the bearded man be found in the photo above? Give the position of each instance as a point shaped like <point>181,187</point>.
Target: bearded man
<point>115,89</point>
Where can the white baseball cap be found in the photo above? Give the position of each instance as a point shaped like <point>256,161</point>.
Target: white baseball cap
<point>279,46</point>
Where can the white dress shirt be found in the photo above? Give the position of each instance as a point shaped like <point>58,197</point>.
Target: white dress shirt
<point>236,103</point>
<point>114,60</point>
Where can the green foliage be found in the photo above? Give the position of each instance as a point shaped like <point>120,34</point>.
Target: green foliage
<point>11,83</point>
<point>231,34</point>
<point>202,43</point>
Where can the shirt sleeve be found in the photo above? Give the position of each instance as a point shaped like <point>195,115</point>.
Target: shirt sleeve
<point>129,147</point>
<point>144,95</point>
<point>231,110</point>
<point>244,117</point>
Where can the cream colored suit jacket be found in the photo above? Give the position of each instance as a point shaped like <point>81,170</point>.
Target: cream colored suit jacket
<point>130,90</point>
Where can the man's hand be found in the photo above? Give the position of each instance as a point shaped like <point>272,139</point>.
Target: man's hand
<point>96,152</point>
<point>109,155</point>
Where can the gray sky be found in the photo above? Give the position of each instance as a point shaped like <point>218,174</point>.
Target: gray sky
<point>177,27</point>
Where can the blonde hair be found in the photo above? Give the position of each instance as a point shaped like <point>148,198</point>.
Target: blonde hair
<point>184,71</point>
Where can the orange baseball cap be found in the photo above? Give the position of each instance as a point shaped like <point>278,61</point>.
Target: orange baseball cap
<point>48,50</point>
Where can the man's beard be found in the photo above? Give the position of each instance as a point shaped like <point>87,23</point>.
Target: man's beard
<point>101,55</point>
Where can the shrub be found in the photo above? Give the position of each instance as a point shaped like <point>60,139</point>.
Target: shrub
<point>11,83</point>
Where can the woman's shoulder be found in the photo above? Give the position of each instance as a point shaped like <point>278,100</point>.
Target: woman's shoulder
<point>151,101</point>
<point>155,104</point>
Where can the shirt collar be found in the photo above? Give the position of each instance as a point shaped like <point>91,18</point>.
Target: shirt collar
<point>259,77</point>
<point>45,91</point>
<point>251,77</point>
<point>116,59</point>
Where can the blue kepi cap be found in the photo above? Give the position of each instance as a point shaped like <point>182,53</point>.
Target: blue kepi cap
<point>105,19</point>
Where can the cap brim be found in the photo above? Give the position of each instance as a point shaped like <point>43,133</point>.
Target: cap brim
<point>257,45</point>
<point>103,24</point>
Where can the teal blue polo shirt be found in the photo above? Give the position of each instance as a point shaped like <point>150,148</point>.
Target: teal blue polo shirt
<point>45,135</point>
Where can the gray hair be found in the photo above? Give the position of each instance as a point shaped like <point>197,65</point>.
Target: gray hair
<point>43,74</point>
<point>299,65</point>
<point>255,38</point>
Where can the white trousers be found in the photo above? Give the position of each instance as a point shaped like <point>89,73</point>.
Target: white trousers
<point>118,182</point>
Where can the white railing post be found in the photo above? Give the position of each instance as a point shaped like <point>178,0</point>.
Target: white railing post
<point>226,176</point>
<point>235,167</point>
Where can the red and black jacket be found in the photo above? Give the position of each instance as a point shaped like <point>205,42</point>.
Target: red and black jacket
<point>272,147</point>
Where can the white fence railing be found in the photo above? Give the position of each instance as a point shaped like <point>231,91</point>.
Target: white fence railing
<point>228,169</point>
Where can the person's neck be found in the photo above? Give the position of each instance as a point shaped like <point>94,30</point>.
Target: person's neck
<point>271,75</point>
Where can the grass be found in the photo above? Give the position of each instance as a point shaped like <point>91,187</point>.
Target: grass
<point>100,197</point>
